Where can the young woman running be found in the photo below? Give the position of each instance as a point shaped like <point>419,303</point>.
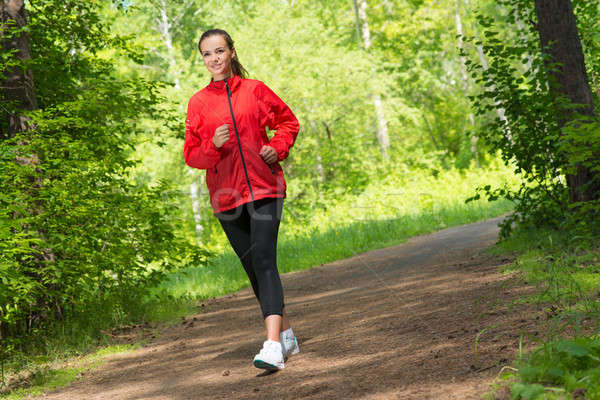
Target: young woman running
<point>226,136</point>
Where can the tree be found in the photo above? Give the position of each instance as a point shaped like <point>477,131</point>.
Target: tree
<point>362,25</point>
<point>18,95</point>
<point>559,37</point>
<point>17,82</point>
<point>551,134</point>
<point>165,24</point>
<point>499,109</point>
<point>77,195</point>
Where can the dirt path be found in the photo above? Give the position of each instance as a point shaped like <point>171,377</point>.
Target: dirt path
<point>396,323</point>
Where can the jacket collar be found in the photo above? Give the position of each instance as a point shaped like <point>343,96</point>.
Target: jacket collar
<point>219,86</point>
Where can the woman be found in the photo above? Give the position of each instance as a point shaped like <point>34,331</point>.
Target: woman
<point>225,134</point>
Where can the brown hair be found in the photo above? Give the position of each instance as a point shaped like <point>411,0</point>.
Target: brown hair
<point>236,67</point>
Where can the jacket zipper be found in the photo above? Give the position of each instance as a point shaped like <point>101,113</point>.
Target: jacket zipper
<point>238,137</point>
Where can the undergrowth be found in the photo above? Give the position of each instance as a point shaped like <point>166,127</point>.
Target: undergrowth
<point>566,272</point>
<point>42,374</point>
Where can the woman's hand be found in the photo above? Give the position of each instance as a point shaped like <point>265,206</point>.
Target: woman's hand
<point>221,135</point>
<point>269,154</point>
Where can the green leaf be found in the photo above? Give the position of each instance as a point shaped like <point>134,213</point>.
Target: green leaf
<point>572,349</point>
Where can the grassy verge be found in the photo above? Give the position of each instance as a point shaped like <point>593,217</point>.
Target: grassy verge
<point>78,345</point>
<point>42,374</point>
<point>566,271</point>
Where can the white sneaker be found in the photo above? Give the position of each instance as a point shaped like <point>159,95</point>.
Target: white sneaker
<point>289,345</point>
<point>270,356</point>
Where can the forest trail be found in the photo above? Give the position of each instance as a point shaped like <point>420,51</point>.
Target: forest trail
<point>394,323</point>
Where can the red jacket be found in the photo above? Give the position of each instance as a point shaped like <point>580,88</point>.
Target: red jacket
<point>236,173</point>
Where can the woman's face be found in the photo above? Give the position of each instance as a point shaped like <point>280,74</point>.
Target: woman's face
<point>217,56</point>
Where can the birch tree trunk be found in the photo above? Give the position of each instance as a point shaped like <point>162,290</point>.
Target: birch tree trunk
<point>499,110</point>
<point>194,191</point>
<point>362,25</point>
<point>164,27</point>
<point>313,127</point>
<point>560,38</point>
<point>465,77</point>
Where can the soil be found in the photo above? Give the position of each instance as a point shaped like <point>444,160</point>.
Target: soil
<point>433,318</point>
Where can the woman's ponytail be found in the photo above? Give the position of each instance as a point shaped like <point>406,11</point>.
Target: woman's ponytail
<point>238,69</point>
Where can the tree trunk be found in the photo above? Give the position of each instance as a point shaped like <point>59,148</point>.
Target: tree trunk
<point>559,37</point>
<point>164,26</point>
<point>17,87</point>
<point>360,10</point>
<point>194,190</point>
<point>313,127</point>
<point>19,94</point>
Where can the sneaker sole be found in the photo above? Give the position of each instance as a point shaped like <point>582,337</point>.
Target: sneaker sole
<point>265,365</point>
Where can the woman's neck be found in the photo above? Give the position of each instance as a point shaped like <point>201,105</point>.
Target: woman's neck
<point>222,77</point>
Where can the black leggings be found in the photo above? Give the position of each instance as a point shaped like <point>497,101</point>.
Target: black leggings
<point>252,231</point>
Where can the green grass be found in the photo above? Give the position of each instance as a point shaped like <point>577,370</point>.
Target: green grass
<point>566,271</point>
<point>42,375</point>
<point>77,345</point>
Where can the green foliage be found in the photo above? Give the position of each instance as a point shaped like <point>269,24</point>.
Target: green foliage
<point>419,42</point>
<point>78,235</point>
<point>565,270</point>
<point>566,366</point>
<point>518,83</point>
<point>522,391</point>
<point>588,24</point>
<point>318,67</point>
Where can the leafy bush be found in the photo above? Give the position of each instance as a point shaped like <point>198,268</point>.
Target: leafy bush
<point>564,366</point>
<point>78,235</point>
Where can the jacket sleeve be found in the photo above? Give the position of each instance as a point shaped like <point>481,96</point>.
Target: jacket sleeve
<point>275,114</point>
<point>198,152</point>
